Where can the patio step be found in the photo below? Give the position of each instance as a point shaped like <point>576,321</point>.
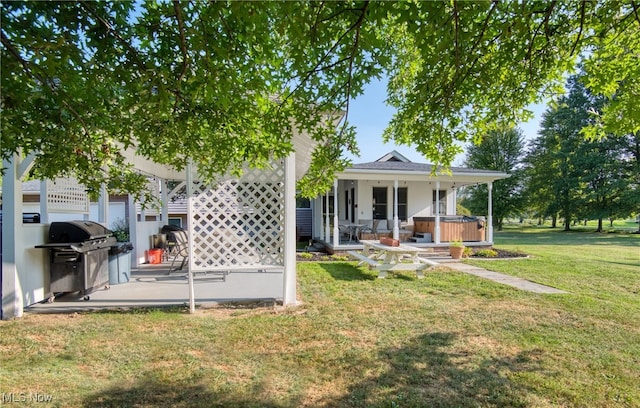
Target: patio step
<point>421,237</point>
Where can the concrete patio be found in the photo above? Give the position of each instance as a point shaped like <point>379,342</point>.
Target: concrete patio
<point>151,286</point>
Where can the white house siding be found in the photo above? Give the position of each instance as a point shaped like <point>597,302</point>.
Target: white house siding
<point>304,220</point>
<point>117,211</point>
<point>419,197</point>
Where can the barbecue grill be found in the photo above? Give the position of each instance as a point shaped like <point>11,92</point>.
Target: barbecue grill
<point>78,256</point>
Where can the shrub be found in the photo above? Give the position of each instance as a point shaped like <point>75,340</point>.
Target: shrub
<point>487,253</point>
<point>305,255</point>
<point>467,252</point>
<point>338,257</point>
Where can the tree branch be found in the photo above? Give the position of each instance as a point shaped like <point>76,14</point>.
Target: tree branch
<point>183,41</point>
<point>582,11</point>
<point>112,31</point>
<point>635,10</point>
<point>316,68</point>
<point>456,33</point>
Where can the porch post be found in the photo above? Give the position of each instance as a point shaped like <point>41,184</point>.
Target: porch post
<point>336,231</point>
<point>103,206</point>
<point>318,221</point>
<point>436,239</point>
<point>289,290</point>
<point>44,211</point>
<point>133,233</point>
<point>12,230</point>
<point>165,201</point>
<point>490,213</point>
<point>327,229</point>
<point>192,296</point>
<point>396,229</point>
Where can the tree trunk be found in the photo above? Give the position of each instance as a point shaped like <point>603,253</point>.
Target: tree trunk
<point>599,225</point>
<point>554,221</point>
<point>567,224</point>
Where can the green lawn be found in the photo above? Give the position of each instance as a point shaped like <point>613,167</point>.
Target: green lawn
<point>449,340</point>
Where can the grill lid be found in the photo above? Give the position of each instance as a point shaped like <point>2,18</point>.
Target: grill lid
<point>76,231</point>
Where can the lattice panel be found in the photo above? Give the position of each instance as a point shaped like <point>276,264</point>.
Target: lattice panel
<point>66,195</point>
<point>239,222</point>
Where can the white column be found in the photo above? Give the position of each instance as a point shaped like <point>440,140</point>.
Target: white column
<point>396,229</point>
<point>436,239</point>
<point>192,296</point>
<point>165,201</point>
<point>336,231</point>
<point>289,295</point>
<point>289,291</point>
<point>327,229</point>
<point>12,229</point>
<point>44,212</point>
<point>490,213</point>
<point>318,221</point>
<point>103,206</point>
<point>133,234</point>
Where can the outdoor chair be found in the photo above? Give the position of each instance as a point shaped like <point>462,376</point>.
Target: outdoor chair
<point>371,230</point>
<point>181,250</point>
<point>344,232</point>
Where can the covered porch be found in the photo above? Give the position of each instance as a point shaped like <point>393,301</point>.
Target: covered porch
<point>240,228</point>
<point>406,201</point>
<point>152,286</point>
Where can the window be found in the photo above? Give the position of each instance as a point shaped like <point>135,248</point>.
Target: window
<point>402,203</point>
<point>379,203</point>
<point>175,221</point>
<point>303,202</point>
<point>443,202</point>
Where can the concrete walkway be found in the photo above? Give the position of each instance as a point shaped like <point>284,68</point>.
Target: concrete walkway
<point>519,283</point>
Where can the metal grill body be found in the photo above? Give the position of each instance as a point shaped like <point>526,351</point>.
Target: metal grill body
<point>78,255</point>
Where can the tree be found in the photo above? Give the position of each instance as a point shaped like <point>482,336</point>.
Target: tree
<point>553,165</point>
<point>575,177</point>
<point>226,83</point>
<point>500,150</point>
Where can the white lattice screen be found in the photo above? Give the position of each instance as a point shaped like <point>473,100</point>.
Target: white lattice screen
<point>239,222</point>
<point>66,195</point>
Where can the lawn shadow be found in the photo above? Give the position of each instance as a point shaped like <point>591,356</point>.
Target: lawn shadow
<point>346,271</point>
<point>175,394</point>
<point>427,373</point>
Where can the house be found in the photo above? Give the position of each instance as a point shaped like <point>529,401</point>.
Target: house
<point>395,197</point>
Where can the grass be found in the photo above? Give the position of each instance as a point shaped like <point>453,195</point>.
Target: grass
<point>449,340</point>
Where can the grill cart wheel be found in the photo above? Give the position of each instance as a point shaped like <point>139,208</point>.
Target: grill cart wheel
<point>86,298</point>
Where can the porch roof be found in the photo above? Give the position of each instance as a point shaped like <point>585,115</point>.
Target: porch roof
<point>390,170</point>
<point>303,146</point>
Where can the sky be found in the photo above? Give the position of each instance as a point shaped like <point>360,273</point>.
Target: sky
<point>370,116</point>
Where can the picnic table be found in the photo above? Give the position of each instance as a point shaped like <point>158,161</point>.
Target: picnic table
<point>385,258</point>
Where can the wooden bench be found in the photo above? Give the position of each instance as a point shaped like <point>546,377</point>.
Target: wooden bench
<point>373,264</point>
